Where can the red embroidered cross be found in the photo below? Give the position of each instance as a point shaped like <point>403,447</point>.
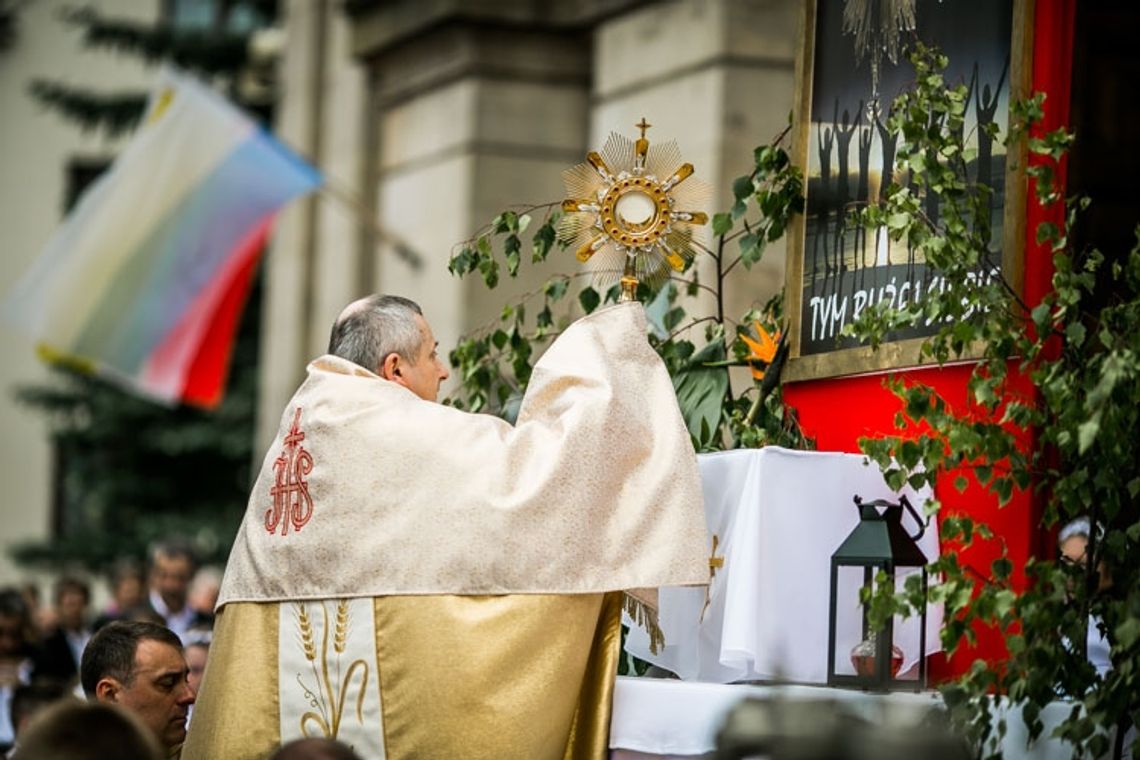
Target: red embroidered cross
<point>290,492</point>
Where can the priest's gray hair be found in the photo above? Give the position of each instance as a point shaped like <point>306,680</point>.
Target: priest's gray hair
<point>370,329</point>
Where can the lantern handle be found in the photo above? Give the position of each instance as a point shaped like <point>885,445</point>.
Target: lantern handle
<point>903,502</point>
<point>917,519</point>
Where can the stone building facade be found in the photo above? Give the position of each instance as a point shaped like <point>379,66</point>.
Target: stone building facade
<point>435,115</point>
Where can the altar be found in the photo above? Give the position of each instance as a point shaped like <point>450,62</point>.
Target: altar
<point>774,517</point>
<point>667,719</point>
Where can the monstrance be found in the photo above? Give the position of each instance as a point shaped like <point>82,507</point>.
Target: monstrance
<point>631,209</point>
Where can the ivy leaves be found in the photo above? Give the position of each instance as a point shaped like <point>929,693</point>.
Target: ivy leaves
<point>1051,406</point>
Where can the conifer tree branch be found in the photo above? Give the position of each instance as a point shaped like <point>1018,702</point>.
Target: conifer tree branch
<point>204,51</point>
<point>117,113</point>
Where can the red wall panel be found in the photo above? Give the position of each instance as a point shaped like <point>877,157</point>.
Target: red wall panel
<point>838,411</point>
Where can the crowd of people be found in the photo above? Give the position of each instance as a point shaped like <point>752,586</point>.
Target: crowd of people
<point>42,644</point>
<point>76,682</point>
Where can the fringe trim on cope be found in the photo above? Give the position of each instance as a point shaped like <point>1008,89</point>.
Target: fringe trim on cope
<point>645,616</point>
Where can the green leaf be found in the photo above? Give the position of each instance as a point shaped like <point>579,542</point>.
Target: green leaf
<point>542,242</point>
<point>1128,632</point>
<point>742,187</point>
<point>1087,433</point>
<point>511,248</point>
<point>589,299</point>
<point>721,223</point>
<point>556,288</point>
<point>897,222</point>
<point>701,390</point>
<point>462,262</point>
<point>1075,333</point>
<point>750,250</point>
<point>673,318</point>
<point>1047,231</point>
<point>489,268</point>
<point>985,473</point>
<point>984,393</point>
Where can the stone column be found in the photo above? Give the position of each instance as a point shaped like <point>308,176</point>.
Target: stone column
<point>312,269</point>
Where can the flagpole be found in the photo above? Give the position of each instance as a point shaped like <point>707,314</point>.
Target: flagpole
<point>334,190</point>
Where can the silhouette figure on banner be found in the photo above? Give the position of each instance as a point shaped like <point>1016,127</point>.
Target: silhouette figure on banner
<point>844,131</point>
<point>863,194</point>
<point>825,139</point>
<point>986,104</point>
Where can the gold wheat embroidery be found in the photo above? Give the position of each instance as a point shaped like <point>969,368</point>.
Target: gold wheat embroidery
<point>330,693</point>
<point>341,626</point>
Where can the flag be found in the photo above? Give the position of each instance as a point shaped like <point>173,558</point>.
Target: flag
<point>145,280</point>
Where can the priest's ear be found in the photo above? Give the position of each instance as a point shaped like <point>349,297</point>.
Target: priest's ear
<point>392,367</point>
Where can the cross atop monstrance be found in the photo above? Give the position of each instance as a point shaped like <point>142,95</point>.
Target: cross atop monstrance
<point>643,125</point>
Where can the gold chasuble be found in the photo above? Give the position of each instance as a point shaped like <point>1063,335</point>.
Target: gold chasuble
<point>421,582</point>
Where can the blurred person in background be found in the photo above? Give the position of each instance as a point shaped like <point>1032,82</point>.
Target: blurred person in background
<point>75,730</point>
<point>196,648</point>
<point>172,567</point>
<point>314,749</point>
<point>142,613</point>
<point>204,588</point>
<point>1072,542</point>
<point>41,618</point>
<point>140,666</point>
<point>16,650</point>
<point>29,700</point>
<point>61,649</point>
<point>128,590</point>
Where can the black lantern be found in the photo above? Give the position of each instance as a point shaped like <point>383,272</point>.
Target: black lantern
<point>879,542</point>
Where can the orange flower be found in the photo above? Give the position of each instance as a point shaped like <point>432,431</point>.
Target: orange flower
<point>763,349</point>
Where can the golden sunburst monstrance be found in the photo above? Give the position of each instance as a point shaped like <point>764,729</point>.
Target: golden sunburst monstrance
<point>631,209</point>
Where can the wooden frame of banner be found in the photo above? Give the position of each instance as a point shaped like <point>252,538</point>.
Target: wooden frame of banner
<point>903,353</point>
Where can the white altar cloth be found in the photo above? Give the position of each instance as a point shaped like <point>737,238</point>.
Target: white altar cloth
<point>778,515</point>
<point>656,718</point>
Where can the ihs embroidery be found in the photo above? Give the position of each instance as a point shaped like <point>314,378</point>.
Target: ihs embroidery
<point>290,492</point>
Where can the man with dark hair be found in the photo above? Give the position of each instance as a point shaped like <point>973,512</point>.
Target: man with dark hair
<point>384,529</point>
<point>172,568</point>
<point>140,666</point>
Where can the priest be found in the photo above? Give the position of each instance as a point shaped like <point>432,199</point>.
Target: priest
<point>418,581</point>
